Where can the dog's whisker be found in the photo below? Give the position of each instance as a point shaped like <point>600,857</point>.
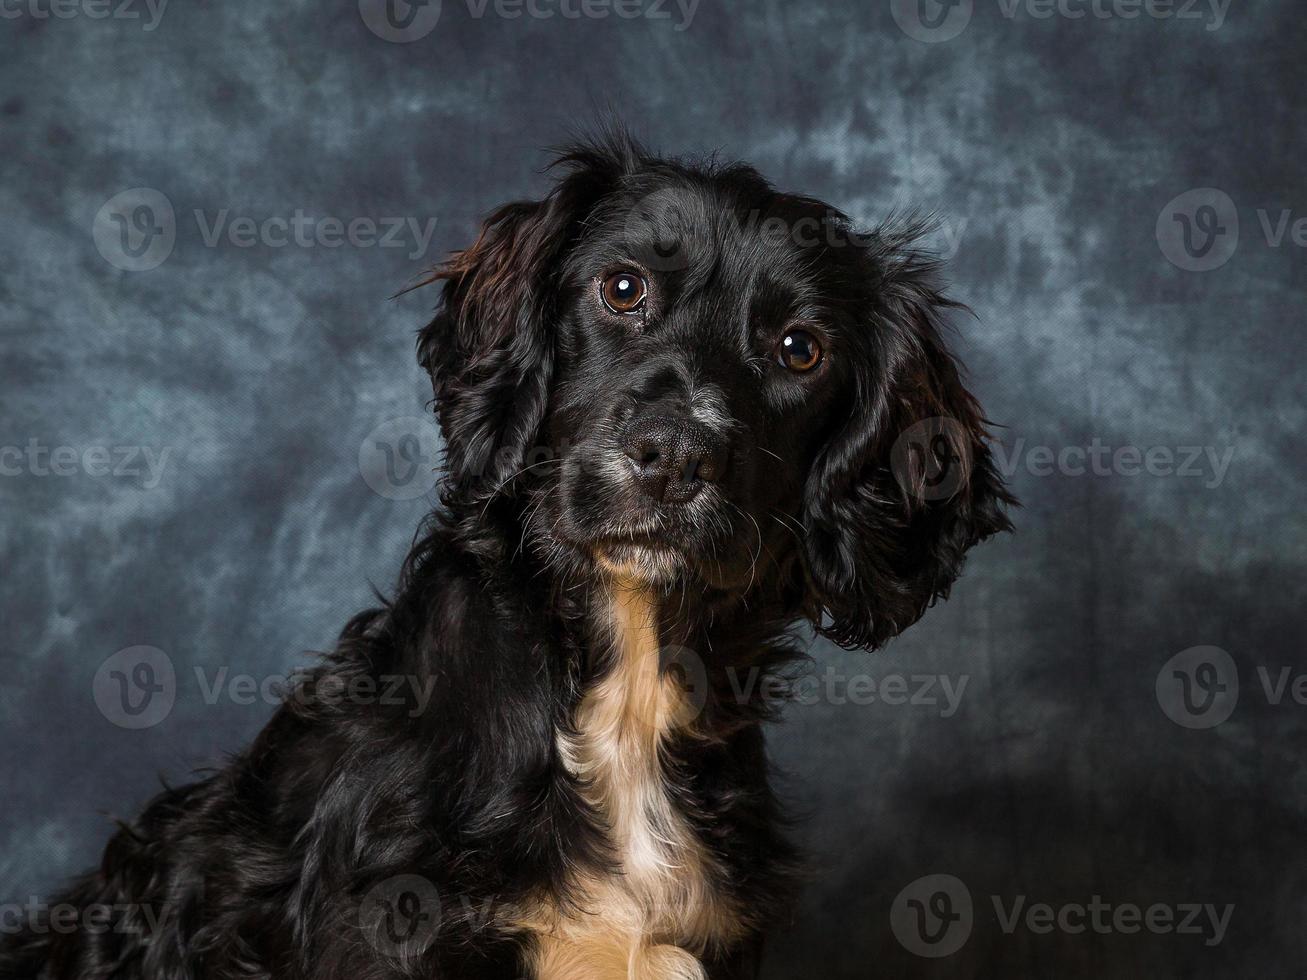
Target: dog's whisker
<point>499,489</point>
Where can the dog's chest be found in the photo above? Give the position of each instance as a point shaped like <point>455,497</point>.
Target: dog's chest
<point>653,919</point>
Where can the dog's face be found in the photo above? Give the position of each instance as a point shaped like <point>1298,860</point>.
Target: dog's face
<point>690,379</point>
<point>697,371</point>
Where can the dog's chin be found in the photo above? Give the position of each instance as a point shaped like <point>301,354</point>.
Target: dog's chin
<point>652,565</point>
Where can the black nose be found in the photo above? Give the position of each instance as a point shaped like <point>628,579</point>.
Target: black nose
<point>673,458</point>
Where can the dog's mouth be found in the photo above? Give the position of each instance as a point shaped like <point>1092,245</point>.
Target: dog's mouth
<point>601,516</point>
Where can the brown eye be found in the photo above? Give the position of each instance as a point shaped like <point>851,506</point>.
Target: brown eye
<point>798,351</point>
<point>623,292</point>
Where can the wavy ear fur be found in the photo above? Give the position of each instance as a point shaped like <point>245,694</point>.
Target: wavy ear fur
<point>490,347</point>
<point>900,493</point>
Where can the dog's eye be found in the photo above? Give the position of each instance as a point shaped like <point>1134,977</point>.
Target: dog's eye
<point>623,292</point>
<point>798,351</point>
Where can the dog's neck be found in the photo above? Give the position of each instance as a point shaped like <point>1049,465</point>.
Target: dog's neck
<point>646,702</point>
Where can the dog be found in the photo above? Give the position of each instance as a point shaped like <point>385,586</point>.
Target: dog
<point>674,404</point>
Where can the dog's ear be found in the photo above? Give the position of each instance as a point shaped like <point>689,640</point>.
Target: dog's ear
<point>489,349</point>
<point>906,484</point>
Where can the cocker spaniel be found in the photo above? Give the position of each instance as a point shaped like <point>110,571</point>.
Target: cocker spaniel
<point>683,414</point>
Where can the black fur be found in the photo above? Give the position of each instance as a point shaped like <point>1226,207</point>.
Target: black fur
<point>261,870</point>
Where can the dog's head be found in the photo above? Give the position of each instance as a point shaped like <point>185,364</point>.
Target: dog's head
<point>683,377</point>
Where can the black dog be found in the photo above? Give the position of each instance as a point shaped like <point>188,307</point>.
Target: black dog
<point>683,413</point>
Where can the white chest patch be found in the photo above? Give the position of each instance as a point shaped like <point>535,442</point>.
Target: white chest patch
<point>654,919</point>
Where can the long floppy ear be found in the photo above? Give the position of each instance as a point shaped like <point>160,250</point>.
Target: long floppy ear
<point>490,348</point>
<point>907,485</point>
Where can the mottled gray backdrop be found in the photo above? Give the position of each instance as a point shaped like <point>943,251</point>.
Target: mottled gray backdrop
<point>199,350</point>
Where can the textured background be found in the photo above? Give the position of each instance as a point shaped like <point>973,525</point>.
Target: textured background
<point>1052,147</point>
